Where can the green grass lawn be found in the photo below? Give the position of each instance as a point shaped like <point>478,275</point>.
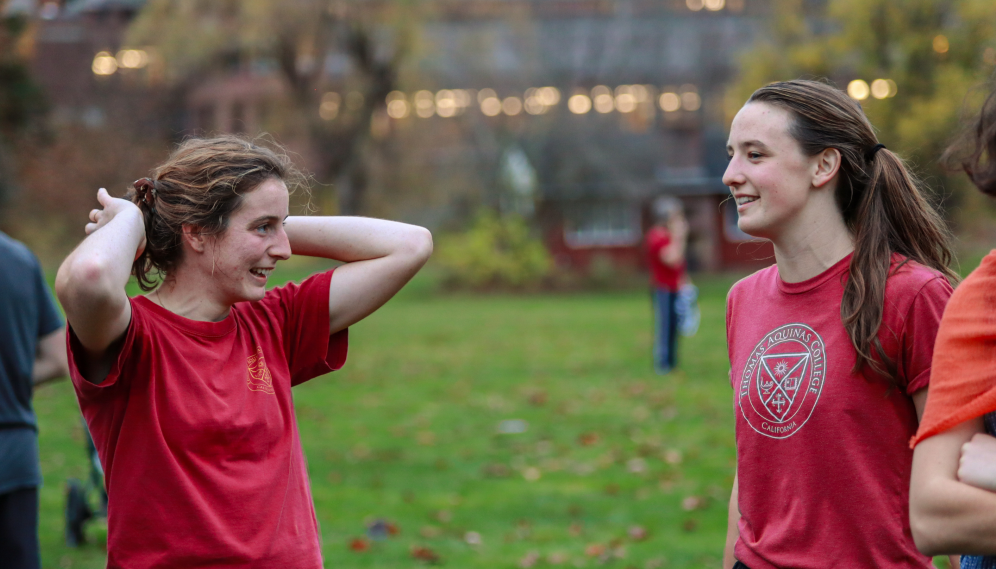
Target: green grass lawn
<point>616,465</point>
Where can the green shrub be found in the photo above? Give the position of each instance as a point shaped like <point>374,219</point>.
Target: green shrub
<point>496,252</point>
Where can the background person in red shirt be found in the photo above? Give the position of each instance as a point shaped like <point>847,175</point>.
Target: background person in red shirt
<point>830,349</point>
<point>187,389</point>
<point>666,243</point>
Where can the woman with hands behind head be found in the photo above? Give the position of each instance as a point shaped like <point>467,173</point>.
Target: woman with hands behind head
<point>953,489</point>
<point>187,389</point>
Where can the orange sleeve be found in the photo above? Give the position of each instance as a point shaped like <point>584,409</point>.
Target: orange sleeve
<point>963,373</point>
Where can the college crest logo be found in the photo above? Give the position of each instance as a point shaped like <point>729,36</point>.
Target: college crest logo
<point>782,380</point>
<point>259,377</point>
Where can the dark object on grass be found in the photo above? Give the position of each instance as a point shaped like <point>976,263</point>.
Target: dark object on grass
<point>78,498</point>
<point>382,529</point>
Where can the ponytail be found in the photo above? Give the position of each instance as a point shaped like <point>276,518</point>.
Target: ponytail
<point>891,216</point>
<point>881,203</point>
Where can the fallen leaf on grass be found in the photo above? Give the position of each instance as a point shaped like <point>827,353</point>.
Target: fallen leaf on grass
<point>637,533</point>
<point>532,474</point>
<point>673,456</point>
<point>556,558</point>
<point>422,553</point>
<point>576,529</point>
<point>429,532</point>
<point>513,427</point>
<point>690,525</point>
<point>588,439</point>
<point>359,544</point>
<point>529,559</point>
<point>496,470</point>
<point>691,503</point>
<point>594,550</point>
<point>472,538</point>
<point>444,516</point>
<point>636,465</point>
<point>538,398</point>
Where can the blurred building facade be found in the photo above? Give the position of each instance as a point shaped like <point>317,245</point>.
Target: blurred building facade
<point>574,113</point>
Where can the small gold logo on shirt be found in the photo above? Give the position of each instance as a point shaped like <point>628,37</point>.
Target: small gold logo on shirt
<point>259,377</point>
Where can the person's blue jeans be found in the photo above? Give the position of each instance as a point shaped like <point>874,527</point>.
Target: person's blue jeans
<point>665,330</point>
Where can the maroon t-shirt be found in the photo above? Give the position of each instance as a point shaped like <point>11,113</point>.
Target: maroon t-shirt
<point>822,454</point>
<point>196,432</point>
<point>661,275</point>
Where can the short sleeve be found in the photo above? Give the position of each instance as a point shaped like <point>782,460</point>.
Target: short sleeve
<point>88,390</point>
<point>311,351</point>
<point>49,319</point>
<point>920,331</point>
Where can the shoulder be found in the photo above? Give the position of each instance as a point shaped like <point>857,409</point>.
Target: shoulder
<point>15,253</point>
<point>978,291</point>
<point>763,278</point>
<point>907,278</point>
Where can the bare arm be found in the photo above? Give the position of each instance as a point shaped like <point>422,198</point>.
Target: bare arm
<point>673,254</point>
<point>50,358</point>
<point>91,281</point>
<point>947,515</point>
<point>732,528</point>
<point>380,256</point>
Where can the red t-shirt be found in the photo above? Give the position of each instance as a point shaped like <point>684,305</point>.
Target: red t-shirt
<point>661,275</point>
<point>196,432</point>
<point>822,455</point>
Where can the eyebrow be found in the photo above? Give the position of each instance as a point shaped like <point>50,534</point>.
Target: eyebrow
<point>748,144</point>
<point>263,218</point>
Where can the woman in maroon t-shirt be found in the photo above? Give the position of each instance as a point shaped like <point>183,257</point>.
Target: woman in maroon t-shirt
<point>186,389</point>
<point>830,348</point>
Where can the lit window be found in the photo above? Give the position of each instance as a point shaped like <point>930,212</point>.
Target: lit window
<point>579,104</point>
<point>601,224</point>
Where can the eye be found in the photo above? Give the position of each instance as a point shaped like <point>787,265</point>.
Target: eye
<point>754,155</point>
<point>262,229</point>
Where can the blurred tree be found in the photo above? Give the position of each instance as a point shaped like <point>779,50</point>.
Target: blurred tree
<point>937,52</point>
<point>22,106</point>
<point>313,45</point>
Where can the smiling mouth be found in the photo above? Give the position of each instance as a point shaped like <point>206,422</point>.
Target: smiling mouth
<point>746,199</point>
<point>261,272</point>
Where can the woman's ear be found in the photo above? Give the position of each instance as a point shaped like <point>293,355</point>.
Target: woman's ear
<point>195,238</point>
<point>827,165</point>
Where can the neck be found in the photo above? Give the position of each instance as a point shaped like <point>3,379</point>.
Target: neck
<point>184,298</point>
<point>814,247</point>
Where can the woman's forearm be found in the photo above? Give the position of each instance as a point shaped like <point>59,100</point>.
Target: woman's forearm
<point>91,282</point>
<point>350,239</point>
<point>948,516</point>
<point>102,262</point>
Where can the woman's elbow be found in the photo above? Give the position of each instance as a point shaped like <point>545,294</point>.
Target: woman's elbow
<point>930,529</point>
<point>419,245</point>
<point>81,280</point>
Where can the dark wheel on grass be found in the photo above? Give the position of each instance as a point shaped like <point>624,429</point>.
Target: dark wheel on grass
<point>77,512</point>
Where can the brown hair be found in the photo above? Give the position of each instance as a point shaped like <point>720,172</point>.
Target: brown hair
<point>975,151</point>
<point>881,201</point>
<point>201,184</point>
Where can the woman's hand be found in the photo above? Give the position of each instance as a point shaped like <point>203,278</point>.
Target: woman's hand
<point>112,207</point>
<point>977,465</point>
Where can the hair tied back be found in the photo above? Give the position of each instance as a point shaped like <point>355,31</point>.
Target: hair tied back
<point>145,188</point>
<point>870,155</point>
